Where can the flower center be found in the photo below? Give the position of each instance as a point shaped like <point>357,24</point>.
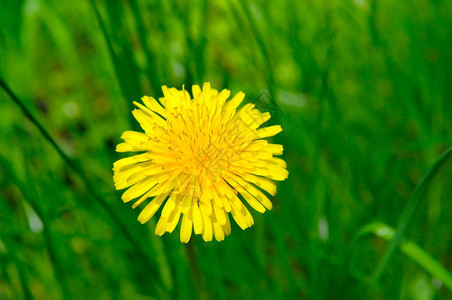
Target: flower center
<point>201,147</point>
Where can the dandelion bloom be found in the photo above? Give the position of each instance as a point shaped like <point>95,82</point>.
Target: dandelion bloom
<point>202,158</point>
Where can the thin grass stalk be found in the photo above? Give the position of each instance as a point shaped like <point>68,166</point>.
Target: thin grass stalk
<point>11,255</point>
<point>115,60</point>
<point>264,51</point>
<point>410,209</point>
<point>60,275</point>
<point>151,68</point>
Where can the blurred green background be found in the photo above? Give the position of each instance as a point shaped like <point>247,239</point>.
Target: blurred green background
<point>362,89</point>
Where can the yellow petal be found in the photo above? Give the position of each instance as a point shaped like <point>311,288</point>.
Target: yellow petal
<point>151,209</point>
<point>235,101</point>
<point>150,114</point>
<point>252,201</point>
<point>239,218</point>
<point>207,231</point>
<point>277,161</point>
<point>218,232</point>
<point>187,201</point>
<point>124,147</point>
<point>161,226</point>
<point>169,206</point>
<point>196,90</point>
<point>144,172</point>
<point>227,226</point>
<point>197,219</point>
<point>275,149</point>
<point>226,204</point>
<point>206,208</point>
<point>124,162</point>
<point>138,189</point>
<point>249,219</point>
<point>219,214</point>
<point>269,131</point>
<point>186,227</point>
<point>153,105</point>
<point>135,136</point>
<point>253,191</point>
<point>263,183</point>
<point>246,195</point>
<point>173,219</point>
<point>221,98</point>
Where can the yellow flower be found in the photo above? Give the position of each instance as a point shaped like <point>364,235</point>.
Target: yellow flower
<point>202,157</point>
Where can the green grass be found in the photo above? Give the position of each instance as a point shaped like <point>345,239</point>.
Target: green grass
<point>362,89</point>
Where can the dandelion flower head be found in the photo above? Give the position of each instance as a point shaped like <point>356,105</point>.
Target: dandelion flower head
<point>202,158</point>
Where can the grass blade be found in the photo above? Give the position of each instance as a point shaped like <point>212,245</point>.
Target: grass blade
<point>419,193</point>
<point>30,196</point>
<point>256,34</point>
<point>126,91</point>
<point>11,255</point>
<point>411,250</point>
<point>151,67</point>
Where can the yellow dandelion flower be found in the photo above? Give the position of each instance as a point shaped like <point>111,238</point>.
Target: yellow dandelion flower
<point>202,158</point>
